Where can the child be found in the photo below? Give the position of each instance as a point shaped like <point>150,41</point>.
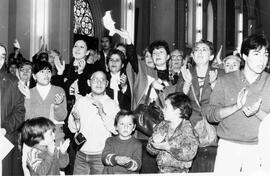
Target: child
<point>173,140</point>
<point>42,157</point>
<point>122,153</point>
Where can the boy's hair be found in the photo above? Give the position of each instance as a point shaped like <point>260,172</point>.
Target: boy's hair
<point>108,37</point>
<point>255,41</point>
<point>41,65</point>
<point>123,113</point>
<point>25,62</point>
<point>159,44</point>
<point>33,130</point>
<point>181,101</point>
<point>118,52</point>
<point>208,43</point>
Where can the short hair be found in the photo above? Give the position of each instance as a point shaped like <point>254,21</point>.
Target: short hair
<point>118,52</point>
<point>159,44</point>
<point>123,113</point>
<point>108,37</point>
<point>182,102</point>
<point>255,41</point>
<point>41,65</point>
<point>91,42</point>
<point>91,75</point>
<point>25,62</point>
<point>208,43</point>
<point>33,130</point>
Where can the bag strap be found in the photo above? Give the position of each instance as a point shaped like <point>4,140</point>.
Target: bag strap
<point>196,100</point>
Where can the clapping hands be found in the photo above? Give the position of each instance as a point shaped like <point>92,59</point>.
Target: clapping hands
<point>122,160</point>
<point>64,145</point>
<point>58,98</point>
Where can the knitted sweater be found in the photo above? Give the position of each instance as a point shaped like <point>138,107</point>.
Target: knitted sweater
<point>116,147</point>
<point>37,107</point>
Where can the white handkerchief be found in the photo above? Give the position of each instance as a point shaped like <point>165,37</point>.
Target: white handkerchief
<point>5,146</point>
<point>109,23</point>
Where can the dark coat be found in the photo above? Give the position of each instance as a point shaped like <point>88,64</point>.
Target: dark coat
<point>12,117</point>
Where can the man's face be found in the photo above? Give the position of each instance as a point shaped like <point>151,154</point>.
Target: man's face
<point>256,60</point>
<point>160,57</point>
<point>25,73</point>
<point>176,59</point>
<point>3,55</point>
<point>202,54</point>
<point>98,83</point>
<point>105,43</point>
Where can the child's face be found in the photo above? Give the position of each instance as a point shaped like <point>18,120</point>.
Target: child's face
<point>170,114</point>
<point>231,65</point>
<point>125,127</point>
<point>202,54</point>
<point>160,57</point>
<point>115,63</point>
<point>43,77</point>
<point>49,137</point>
<point>79,50</point>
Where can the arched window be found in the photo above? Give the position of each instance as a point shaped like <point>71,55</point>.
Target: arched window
<point>83,19</point>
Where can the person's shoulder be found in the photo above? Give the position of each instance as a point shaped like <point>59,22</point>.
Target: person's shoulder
<point>9,77</point>
<point>136,142</point>
<point>58,88</point>
<point>232,76</point>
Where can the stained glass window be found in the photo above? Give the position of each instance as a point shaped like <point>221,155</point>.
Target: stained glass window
<point>83,19</point>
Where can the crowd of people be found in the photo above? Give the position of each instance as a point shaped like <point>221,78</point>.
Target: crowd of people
<point>79,118</point>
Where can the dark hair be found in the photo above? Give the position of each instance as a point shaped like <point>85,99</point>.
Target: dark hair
<point>91,42</point>
<point>208,43</point>
<point>108,37</point>
<point>123,113</point>
<point>159,44</point>
<point>25,62</point>
<point>255,41</point>
<point>33,130</point>
<point>181,101</point>
<point>41,65</point>
<point>118,52</point>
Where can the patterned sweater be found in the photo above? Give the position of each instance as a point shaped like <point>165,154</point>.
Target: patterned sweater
<point>184,145</point>
<point>40,162</point>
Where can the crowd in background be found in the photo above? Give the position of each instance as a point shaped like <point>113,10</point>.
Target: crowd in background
<point>46,103</point>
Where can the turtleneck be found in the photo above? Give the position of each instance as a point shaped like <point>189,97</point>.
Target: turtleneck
<point>163,74</point>
<point>43,90</point>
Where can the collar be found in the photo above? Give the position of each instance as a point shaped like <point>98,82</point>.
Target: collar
<point>42,88</point>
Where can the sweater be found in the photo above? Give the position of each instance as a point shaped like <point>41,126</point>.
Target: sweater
<point>41,162</point>
<point>116,147</point>
<point>237,127</point>
<point>95,129</point>
<point>37,107</point>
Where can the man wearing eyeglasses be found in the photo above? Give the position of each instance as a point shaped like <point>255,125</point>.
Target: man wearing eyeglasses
<point>95,112</point>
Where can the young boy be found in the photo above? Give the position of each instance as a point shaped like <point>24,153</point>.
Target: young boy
<point>122,153</point>
<point>238,103</point>
<point>42,157</point>
<point>95,114</point>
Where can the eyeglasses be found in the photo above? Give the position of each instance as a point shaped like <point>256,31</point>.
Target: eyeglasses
<point>96,81</point>
<point>27,70</point>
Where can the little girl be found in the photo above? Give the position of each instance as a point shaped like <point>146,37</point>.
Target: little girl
<point>42,157</point>
<point>122,153</point>
<point>173,140</point>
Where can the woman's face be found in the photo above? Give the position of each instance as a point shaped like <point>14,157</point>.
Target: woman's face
<point>79,50</point>
<point>115,63</point>
<point>43,77</point>
<point>148,60</point>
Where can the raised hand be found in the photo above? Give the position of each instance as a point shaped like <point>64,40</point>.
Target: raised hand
<point>157,84</point>
<point>59,66</point>
<point>58,98</point>
<point>64,145</point>
<point>157,138</point>
<point>124,34</point>
<point>81,65</point>
<point>186,74</point>
<point>123,80</point>
<point>242,98</point>
<point>24,89</point>
<point>213,78</point>
<point>99,106</point>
